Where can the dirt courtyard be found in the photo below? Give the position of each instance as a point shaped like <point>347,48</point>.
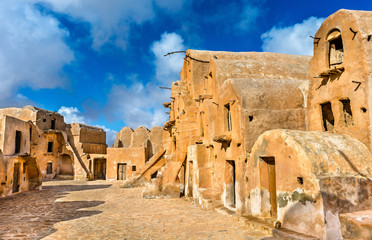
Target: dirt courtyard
<point>103,210</point>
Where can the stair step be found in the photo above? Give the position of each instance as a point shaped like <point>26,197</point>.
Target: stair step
<point>265,225</point>
<point>286,234</point>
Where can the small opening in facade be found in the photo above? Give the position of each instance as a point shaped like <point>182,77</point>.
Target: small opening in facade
<point>44,120</point>
<point>154,175</point>
<point>328,118</point>
<point>336,48</point>
<point>246,179</point>
<point>251,118</point>
<point>228,117</point>
<point>53,124</point>
<point>30,133</point>
<point>134,168</point>
<point>300,180</point>
<point>50,147</point>
<point>49,168</point>
<point>346,109</point>
<point>363,109</point>
<point>18,142</point>
<point>24,168</point>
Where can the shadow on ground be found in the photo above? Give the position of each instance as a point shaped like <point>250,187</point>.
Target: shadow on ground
<point>31,215</point>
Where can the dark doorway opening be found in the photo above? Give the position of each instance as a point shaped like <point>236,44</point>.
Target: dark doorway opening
<point>18,139</point>
<point>230,178</point>
<point>100,168</point>
<point>122,171</point>
<point>268,181</point>
<point>16,178</point>
<point>49,168</point>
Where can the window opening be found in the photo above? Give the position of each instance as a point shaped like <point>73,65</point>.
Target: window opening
<point>18,142</point>
<point>328,118</point>
<point>228,117</point>
<point>53,124</point>
<point>50,147</point>
<point>346,109</point>
<point>154,175</point>
<point>300,180</point>
<point>336,48</point>
<point>134,168</point>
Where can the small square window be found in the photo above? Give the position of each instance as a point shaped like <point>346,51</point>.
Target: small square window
<point>134,168</point>
<point>44,120</point>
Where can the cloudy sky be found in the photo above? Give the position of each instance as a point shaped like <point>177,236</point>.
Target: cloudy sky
<point>101,62</point>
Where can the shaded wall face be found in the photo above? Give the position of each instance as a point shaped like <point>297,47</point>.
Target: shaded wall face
<point>156,139</point>
<point>48,120</point>
<point>140,137</point>
<point>48,153</point>
<point>124,138</point>
<point>92,136</point>
<point>22,174</point>
<point>16,136</point>
<point>338,100</point>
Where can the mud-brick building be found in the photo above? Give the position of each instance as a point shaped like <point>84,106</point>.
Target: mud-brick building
<point>213,123</point>
<point>282,138</point>
<point>64,151</point>
<point>19,171</point>
<point>47,143</point>
<point>132,150</point>
<point>88,145</point>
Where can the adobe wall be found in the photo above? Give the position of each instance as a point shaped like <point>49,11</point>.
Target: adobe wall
<point>311,169</point>
<point>350,80</point>
<point>124,138</point>
<point>132,157</point>
<point>9,126</point>
<point>2,175</point>
<point>134,148</point>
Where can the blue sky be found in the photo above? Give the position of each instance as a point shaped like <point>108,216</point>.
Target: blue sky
<point>101,62</point>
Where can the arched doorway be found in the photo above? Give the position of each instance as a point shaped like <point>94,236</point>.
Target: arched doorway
<point>67,167</point>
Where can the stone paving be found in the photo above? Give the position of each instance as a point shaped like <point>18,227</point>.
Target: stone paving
<point>103,210</point>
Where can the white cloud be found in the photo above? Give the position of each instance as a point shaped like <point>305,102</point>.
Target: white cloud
<point>73,115</point>
<point>168,68</point>
<point>249,14</point>
<point>292,39</point>
<point>139,104</point>
<point>32,51</point>
<point>111,20</point>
